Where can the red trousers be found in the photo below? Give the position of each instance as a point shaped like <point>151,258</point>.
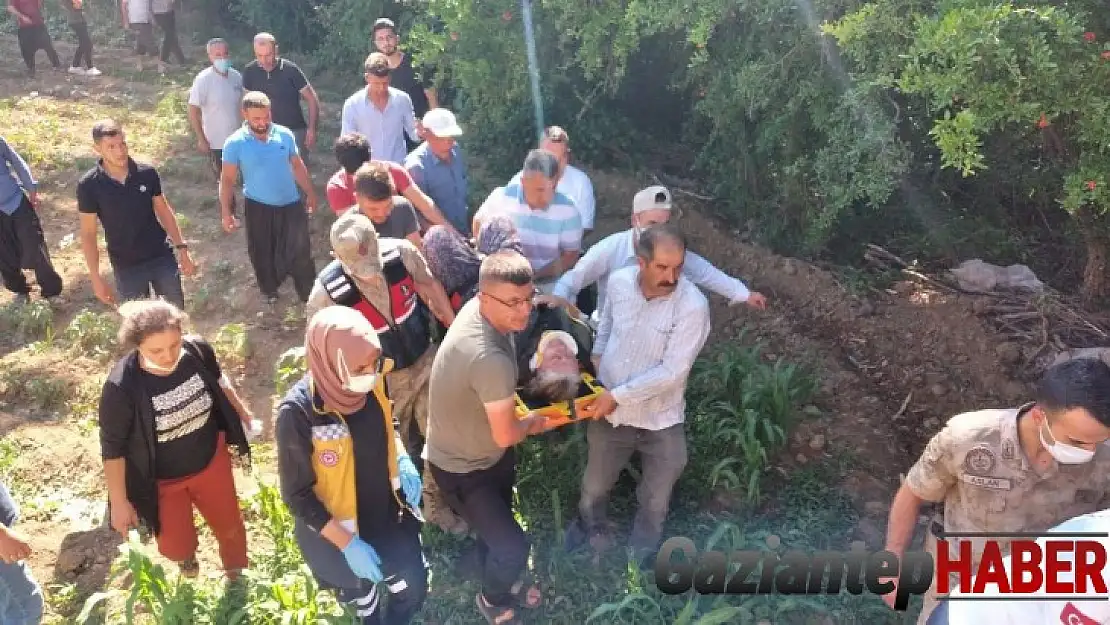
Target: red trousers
<point>212,492</point>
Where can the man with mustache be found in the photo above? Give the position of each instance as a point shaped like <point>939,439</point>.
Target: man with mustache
<point>654,323</point>
<point>276,217</point>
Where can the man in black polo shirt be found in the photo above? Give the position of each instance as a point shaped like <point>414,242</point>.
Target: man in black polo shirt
<point>403,75</point>
<point>126,198</point>
<point>285,84</point>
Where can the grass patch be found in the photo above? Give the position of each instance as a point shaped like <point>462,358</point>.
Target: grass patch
<point>93,334</point>
<point>26,322</point>
<point>34,386</point>
<point>739,412</point>
<point>289,369</point>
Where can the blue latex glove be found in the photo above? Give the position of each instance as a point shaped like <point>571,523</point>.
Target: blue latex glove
<point>410,482</point>
<point>363,560</point>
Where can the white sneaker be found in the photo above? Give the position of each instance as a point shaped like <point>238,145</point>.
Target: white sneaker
<point>77,71</point>
<point>92,71</point>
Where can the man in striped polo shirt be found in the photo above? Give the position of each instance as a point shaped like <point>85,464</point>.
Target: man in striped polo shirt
<point>547,222</point>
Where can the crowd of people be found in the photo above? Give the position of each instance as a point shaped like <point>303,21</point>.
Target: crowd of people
<point>431,323</point>
<point>138,16</point>
<point>439,337</point>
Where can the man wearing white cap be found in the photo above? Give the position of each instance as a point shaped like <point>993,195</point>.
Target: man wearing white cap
<point>650,206</point>
<point>385,279</point>
<point>438,168</point>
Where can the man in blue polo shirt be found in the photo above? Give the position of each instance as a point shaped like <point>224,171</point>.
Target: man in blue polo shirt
<point>266,155</point>
<point>437,166</point>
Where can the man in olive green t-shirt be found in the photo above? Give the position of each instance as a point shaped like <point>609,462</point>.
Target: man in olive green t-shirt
<point>472,425</point>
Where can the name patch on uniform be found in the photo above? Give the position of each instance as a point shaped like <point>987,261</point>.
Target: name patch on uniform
<point>979,461</point>
<point>329,458</point>
<point>985,481</point>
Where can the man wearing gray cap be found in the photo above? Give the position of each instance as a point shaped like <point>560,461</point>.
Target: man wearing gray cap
<point>650,206</point>
<point>388,281</point>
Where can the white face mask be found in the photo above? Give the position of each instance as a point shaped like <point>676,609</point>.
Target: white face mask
<point>1064,454</point>
<point>151,365</point>
<point>364,383</point>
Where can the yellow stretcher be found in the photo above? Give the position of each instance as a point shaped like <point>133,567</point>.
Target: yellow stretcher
<point>560,413</point>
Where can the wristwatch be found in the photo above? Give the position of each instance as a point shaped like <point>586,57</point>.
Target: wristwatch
<point>183,246</point>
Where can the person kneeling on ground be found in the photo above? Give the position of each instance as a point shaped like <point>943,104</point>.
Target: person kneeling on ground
<point>359,536</point>
<point>168,415</point>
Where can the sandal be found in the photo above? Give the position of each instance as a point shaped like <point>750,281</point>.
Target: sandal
<point>527,593</point>
<point>494,614</point>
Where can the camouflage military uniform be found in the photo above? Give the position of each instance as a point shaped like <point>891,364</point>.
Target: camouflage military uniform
<point>977,467</point>
<point>408,388</point>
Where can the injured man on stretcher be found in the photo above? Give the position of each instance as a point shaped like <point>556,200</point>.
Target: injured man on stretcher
<point>553,357</point>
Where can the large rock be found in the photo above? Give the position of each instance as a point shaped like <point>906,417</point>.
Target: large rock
<point>982,277</point>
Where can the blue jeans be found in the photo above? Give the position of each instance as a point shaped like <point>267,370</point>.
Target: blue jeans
<point>21,600</point>
<point>160,274</point>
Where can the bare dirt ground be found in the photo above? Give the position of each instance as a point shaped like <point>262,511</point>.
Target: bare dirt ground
<point>893,365</point>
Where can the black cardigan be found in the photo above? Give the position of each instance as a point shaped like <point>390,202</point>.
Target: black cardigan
<point>128,432</point>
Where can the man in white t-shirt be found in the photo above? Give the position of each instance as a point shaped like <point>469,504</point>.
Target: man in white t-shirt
<point>214,105</point>
<point>1095,611</point>
<point>572,182</point>
<point>136,15</point>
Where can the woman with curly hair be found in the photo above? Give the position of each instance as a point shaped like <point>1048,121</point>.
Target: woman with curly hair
<point>168,418</point>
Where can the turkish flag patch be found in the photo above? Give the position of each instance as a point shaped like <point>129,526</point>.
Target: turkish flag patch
<point>1071,615</point>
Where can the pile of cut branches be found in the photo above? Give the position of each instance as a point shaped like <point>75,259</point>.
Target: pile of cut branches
<point>1045,323</point>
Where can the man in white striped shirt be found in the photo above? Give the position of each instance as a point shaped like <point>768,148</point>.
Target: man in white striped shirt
<point>547,222</point>
<point>654,324</point>
<point>650,206</point>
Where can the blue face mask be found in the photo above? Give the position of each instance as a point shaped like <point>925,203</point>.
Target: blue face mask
<point>222,65</point>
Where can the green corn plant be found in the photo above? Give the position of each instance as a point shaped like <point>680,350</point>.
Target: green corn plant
<point>289,368</point>
<point>295,599</point>
<point>277,525</point>
<point>168,603</point>
<point>92,334</point>
<point>232,344</point>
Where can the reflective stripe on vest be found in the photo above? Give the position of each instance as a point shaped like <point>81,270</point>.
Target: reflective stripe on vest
<point>404,334</point>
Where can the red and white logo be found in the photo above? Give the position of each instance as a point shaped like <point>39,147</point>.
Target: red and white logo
<point>329,458</point>
<point>1072,616</point>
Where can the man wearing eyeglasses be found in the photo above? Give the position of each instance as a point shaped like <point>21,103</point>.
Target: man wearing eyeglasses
<point>381,113</point>
<point>388,281</point>
<point>404,75</point>
<point>473,426</point>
